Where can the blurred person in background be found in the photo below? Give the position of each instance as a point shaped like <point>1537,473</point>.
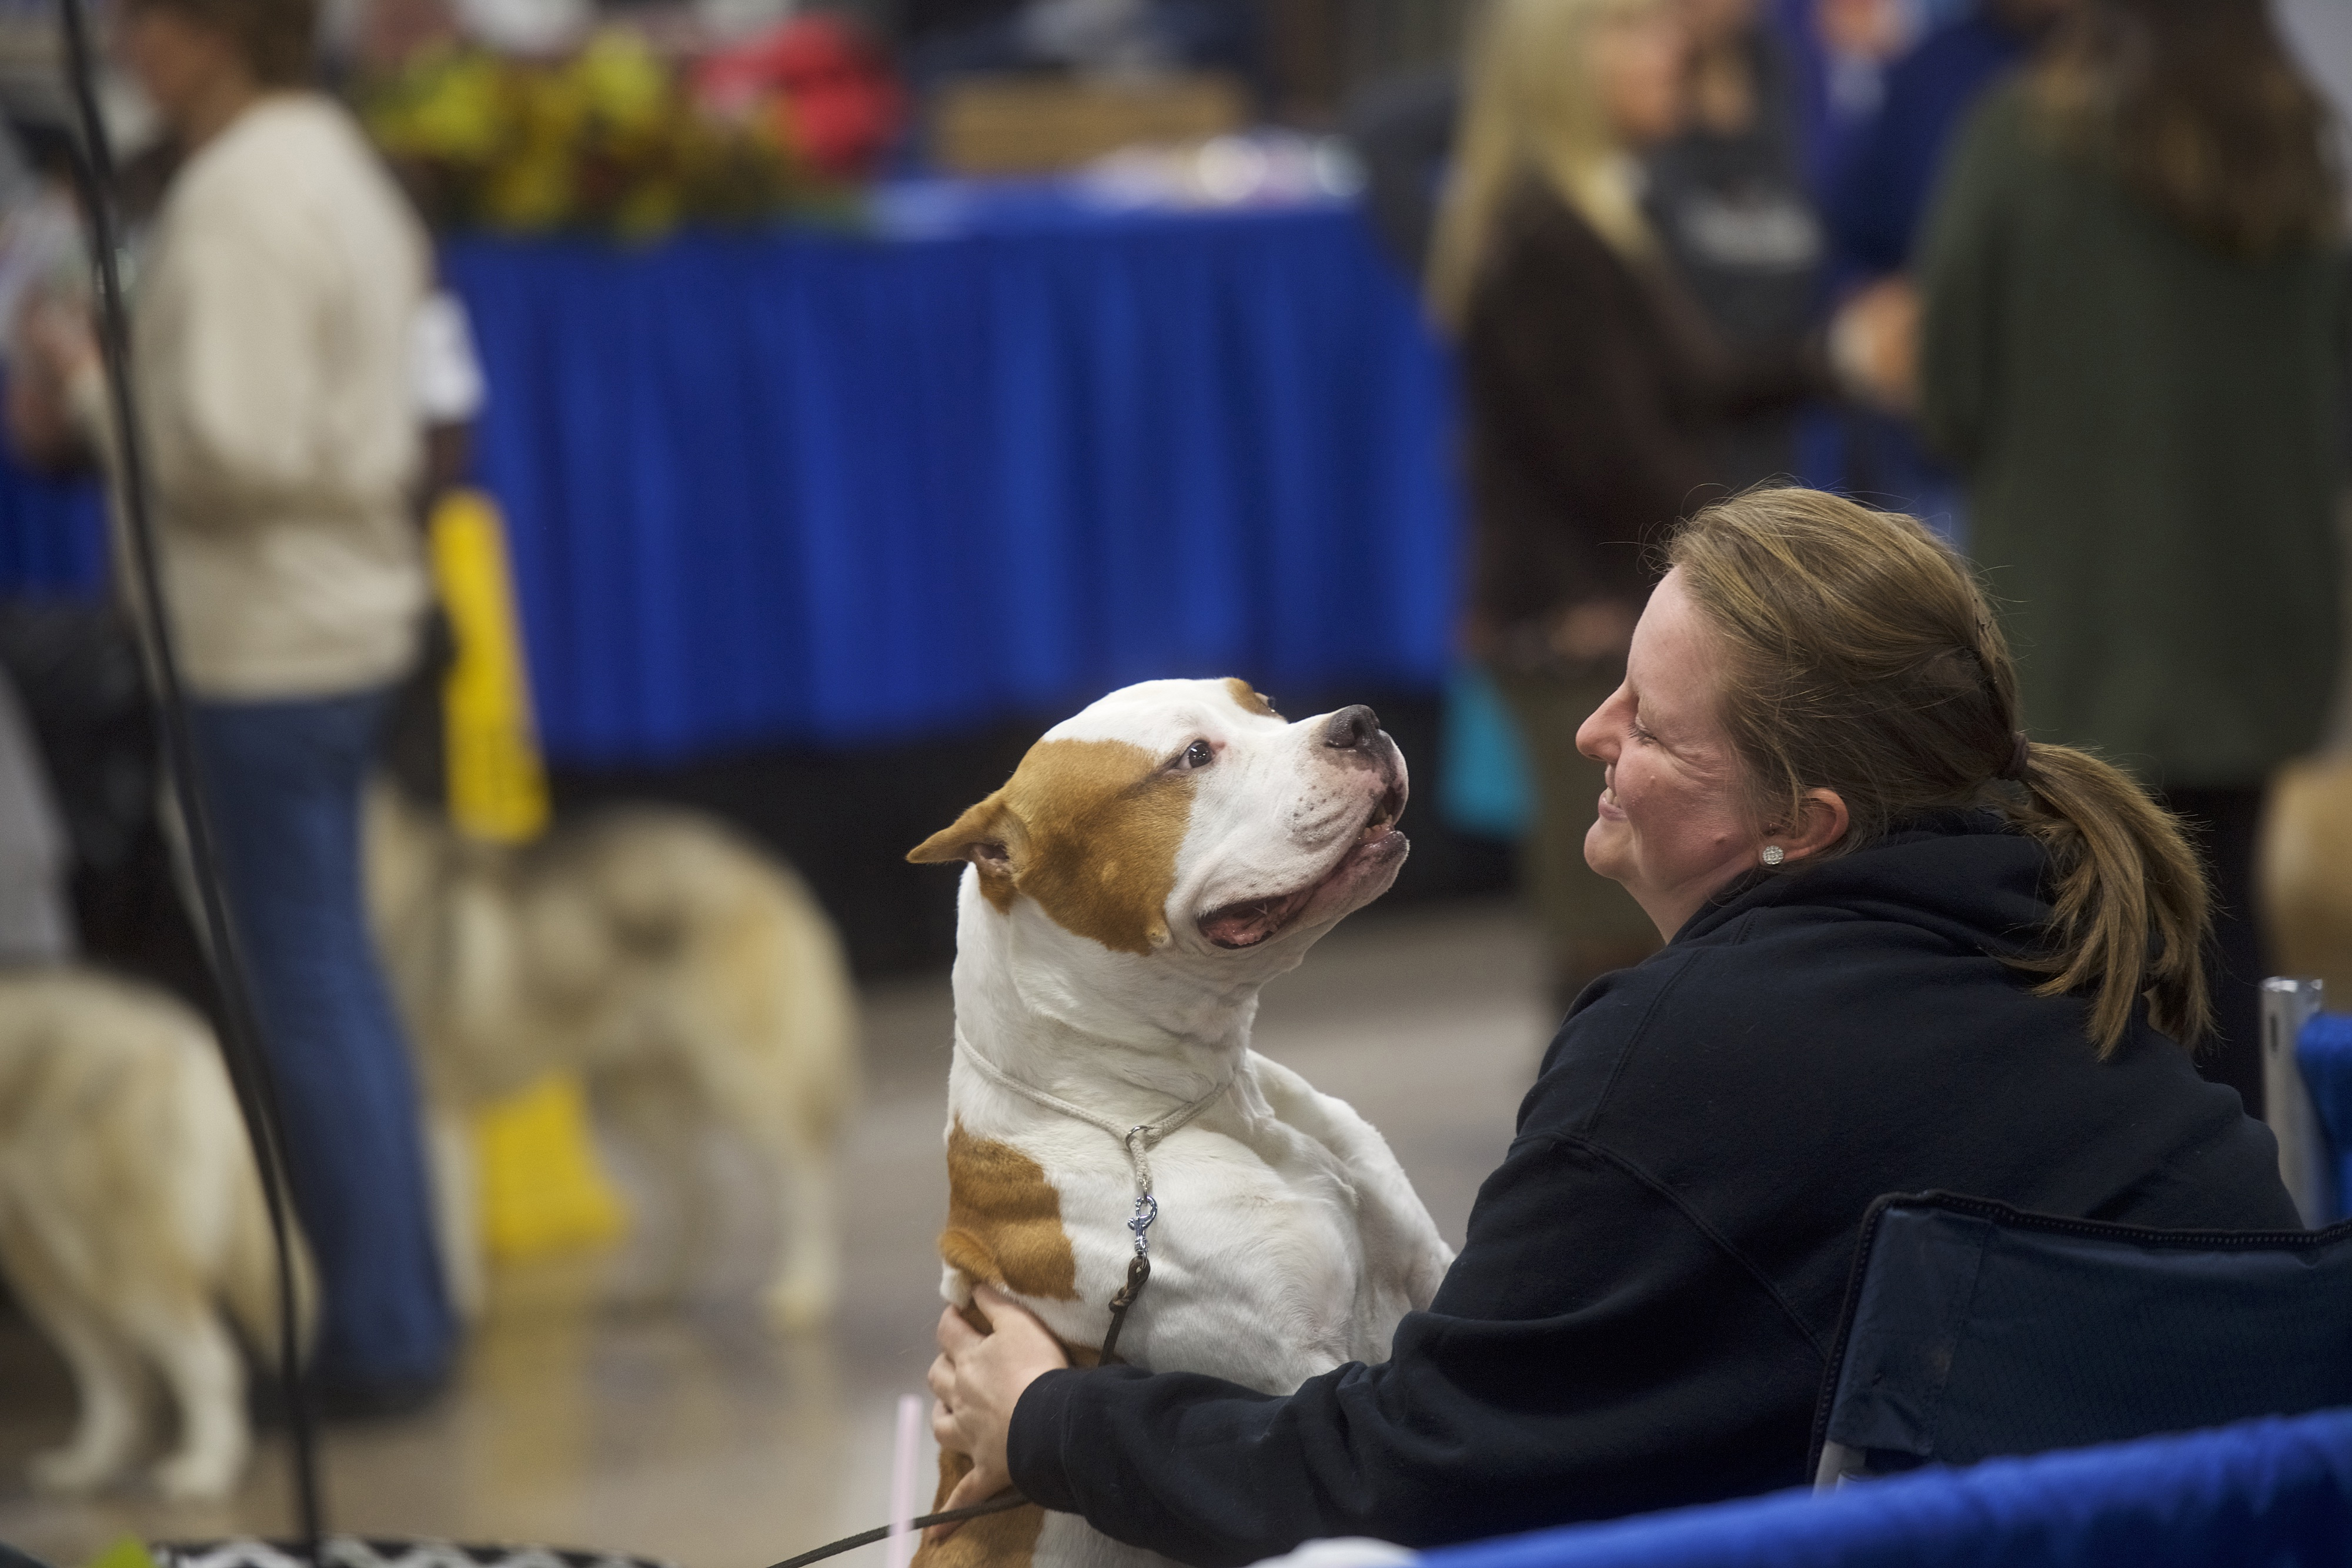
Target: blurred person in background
<point>1593,388</point>
<point>1875,201</point>
<point>1847,47</point>
<point>1726,194</point>
<point>276,297</point>
<point>1727,199</point>
<point>2134,347</point>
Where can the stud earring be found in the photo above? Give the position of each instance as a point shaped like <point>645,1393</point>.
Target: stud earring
<point>1773,855</point>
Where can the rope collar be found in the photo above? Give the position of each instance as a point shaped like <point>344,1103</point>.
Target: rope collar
<point>1138,1140</point>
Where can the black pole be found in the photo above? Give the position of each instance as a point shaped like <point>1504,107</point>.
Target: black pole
<point>249,1069</point>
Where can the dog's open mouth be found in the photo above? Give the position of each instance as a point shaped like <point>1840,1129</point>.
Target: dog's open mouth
<point>1258,920</point>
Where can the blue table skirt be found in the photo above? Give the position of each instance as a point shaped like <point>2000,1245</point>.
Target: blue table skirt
<point>814,489</point>
<point>2275,1492</point>
<point>52,534</point>
<point>800,489</point>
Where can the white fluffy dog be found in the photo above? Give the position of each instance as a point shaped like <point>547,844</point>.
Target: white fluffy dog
<point>690,979</point>
<point>130,1214</point>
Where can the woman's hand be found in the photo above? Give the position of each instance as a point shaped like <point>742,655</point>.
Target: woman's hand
<point>57,336</point>
<point>977,1379</point>
<point>57,348</point>
<point>1874,345</point>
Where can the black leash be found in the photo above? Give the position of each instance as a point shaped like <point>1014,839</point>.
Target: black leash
<point>1138,1274</point>
<point>240,1036</point>
<point>1003,1504</point>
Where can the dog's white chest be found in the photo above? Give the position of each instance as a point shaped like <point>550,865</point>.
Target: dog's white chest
<point>1274,1254</point>
<point>1259,1270</point>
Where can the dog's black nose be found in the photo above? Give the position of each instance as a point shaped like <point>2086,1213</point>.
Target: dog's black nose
<point>1351,730</point>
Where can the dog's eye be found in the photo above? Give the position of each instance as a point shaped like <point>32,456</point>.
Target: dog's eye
<point>1200,754</point>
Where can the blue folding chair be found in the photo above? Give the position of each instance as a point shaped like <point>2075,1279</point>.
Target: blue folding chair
<point>1972,1329</point>
<point>2307,1096</point>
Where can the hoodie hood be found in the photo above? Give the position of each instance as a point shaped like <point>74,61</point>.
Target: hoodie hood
<point>1969,877</point>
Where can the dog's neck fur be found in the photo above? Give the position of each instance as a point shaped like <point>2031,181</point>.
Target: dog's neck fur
<point>1112,1032</point>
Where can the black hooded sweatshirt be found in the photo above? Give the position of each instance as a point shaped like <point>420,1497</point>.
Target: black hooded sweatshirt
<point>1642,1314</point>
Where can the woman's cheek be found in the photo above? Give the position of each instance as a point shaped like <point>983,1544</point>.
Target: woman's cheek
<point>1632,789</point>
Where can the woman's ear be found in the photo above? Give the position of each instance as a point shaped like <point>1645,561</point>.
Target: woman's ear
<point>1822,821</point>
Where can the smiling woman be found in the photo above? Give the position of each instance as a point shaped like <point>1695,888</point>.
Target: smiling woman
<point>1672,824</point>
<point>1971,966</point>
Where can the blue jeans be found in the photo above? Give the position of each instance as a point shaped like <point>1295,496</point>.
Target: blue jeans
<point>283,782</point>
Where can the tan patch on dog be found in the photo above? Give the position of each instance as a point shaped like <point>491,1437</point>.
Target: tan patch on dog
<point>1007,1540</point>
<point>1004,1228</point>
<point>1090,829</point>
<point>1247,698</point>
<point>1005,1221</point>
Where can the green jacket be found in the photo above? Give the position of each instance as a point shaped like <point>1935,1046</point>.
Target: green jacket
<point>2152,438</point>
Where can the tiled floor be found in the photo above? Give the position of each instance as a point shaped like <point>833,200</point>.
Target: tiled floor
<point>696,1436</point>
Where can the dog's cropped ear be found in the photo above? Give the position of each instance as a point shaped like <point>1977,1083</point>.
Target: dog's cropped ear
<point>977,836</point>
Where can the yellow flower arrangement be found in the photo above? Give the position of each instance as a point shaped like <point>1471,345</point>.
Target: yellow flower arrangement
<point>607,140</point>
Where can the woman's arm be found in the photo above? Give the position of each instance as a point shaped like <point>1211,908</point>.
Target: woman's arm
<point>1594,1351</point>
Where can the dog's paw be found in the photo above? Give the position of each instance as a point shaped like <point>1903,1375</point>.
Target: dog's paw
<point>796,1306</point>
<point>71,1472</point>
<point>198,1475</point>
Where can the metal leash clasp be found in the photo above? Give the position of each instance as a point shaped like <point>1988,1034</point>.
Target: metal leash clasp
<point>1138,1268</point>
<point>1146,1209</point>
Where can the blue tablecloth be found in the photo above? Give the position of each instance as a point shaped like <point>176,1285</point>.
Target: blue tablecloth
<point>52,533</point>
<point>806,489</point>
<point>2275,1492</point>
<point>794,487</point>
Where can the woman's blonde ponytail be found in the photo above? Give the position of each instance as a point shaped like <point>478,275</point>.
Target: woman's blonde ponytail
<point>2131,913</point>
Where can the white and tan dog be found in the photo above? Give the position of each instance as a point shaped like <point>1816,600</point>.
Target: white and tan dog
<point>130,1216</point>
<point>1150,865</point>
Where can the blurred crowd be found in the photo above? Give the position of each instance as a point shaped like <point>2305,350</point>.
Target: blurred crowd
<point>2075,272</point>
<point>2066,279</point>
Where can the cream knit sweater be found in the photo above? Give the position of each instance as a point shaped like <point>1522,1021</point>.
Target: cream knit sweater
<point>271,344</point>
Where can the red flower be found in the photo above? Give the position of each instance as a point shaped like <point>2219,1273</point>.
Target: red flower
<point>833,95</point>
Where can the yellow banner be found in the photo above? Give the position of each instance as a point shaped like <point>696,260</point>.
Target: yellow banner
<point>541,1188</point>
<point>498,787</point>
